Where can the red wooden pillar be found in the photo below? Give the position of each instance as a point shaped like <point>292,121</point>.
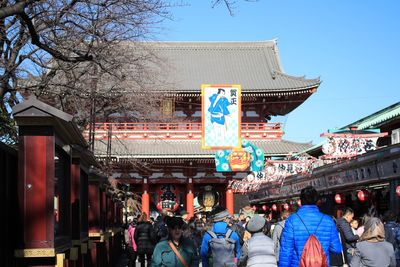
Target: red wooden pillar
<point>94,220</point>
<point>103,210</point>
<point>190,198</point>
<point>94,207</point>
<point>36,185</point>
<point>75,202</point>
<point>75,199</point>
<point>229,201</point>
<point>145,198</point>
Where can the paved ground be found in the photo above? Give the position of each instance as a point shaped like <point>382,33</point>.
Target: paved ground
<point>123,262</point>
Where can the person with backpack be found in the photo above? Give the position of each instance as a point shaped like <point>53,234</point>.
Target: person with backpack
<point>176,250</point>
<point>309,235</point>
<point>223,243</point>
<point>392,232</point>
<point>277,233</point>
<point>259,249</point>
<point>238,229</point>
<point>373,250</point>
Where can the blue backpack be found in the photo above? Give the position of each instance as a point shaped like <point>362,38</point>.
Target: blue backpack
<point>222,249</point>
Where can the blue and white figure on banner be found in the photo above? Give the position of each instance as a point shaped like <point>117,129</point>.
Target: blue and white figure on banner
<point>221,116</point>
<point>224,162</point>
<point>218,111</point>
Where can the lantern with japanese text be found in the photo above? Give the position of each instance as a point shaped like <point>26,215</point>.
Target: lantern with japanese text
<point>274,207</point>
<point>167,198</point>
<point>398,190</point>
<point>286,206</point>
<point>363,195</point>
<point>339,199</point>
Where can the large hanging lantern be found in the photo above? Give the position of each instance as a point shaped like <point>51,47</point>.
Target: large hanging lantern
<point>339,199</point>
<point>274,207</point>
<point>286,206</point>
<point>363,195</point>
<point>398,190</point>
<point>167,197</point>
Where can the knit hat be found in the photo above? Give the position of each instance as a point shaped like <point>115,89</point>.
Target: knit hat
<point>256,224</point>
<point>220,216</point>
<point>173,222</point>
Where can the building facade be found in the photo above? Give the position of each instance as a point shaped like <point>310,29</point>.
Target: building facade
<point>164,160</point>
<point>369,183</point>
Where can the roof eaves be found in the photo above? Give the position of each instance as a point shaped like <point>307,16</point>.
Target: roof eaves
<point>377,117</point>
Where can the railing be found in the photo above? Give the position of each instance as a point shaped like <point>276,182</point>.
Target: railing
<point>190,130</point>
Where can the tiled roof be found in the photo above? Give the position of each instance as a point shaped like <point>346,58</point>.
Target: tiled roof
<point>378,118</point>
<point>186,148</point>
<point>254,65</point>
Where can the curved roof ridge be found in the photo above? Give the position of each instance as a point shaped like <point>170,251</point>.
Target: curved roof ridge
<point>377,117</point>
<point>276,50</point>
<point>294,142</point>
<point>300,78</point>
<point>213,44</point>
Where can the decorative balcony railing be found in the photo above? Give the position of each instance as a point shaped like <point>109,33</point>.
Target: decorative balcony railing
<point>180,131</point>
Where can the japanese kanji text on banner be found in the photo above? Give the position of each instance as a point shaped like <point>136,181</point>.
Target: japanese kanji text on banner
<point>221,116</point>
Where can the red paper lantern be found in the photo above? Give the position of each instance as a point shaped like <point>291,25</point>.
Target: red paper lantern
<point>299,202</point>
<point>254,208</point>
<point>274,207</point>
<point>339,199</point>
<point>286,206</point>
<point>264,207</point>
<point>398,190</point>
<point>363,195</point>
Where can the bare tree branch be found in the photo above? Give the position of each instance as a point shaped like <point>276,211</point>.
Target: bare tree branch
<point>55,53</point>
<point>15,9</point>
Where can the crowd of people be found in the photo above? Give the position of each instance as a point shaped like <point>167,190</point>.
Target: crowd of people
<point>306,237</point>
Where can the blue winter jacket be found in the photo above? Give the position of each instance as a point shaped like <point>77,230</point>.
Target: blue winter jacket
<point>295,235</point>
<point>219,228</point>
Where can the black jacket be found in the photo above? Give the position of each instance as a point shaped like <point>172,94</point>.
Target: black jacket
<point>144,238</point>
<point>346,233</point>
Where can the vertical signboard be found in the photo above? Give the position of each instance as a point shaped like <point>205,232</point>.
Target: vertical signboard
<point>221,116</point>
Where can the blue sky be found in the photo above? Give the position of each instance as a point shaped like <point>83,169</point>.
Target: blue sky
<point>354,46</point>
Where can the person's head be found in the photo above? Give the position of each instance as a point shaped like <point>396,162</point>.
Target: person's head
<point>220,214</point>
<point>185,215</point>
<point>365,218</point>
<point>143,217</point>
<point>389,216</point>
<point>309,196</point>
<point>221,91</point>
<point>256,224</point>
<point>174,225</point>
<point>348,214</point>
<point>374,231</point>
<point>285,214</point>
<point>164,212</point>
<point>354,224</point>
